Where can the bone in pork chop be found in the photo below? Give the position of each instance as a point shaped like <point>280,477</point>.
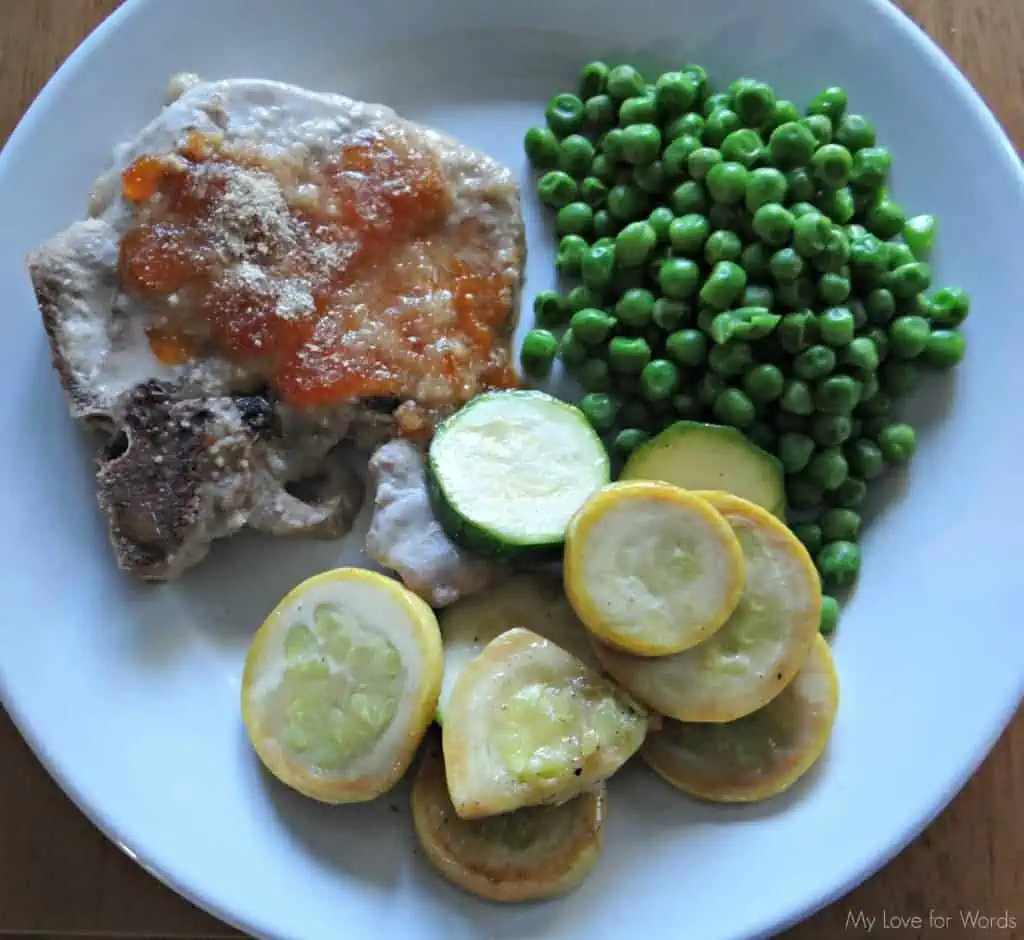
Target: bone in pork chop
<point>267,273</point>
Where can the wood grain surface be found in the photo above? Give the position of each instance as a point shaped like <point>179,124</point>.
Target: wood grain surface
<point>60,877</point>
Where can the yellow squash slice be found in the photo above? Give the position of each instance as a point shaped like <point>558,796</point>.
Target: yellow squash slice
<point>757,653</point>
<point>340,684</point>
<point>651,569</point>
<point>529,724</point>
<point>534,853</point>
<point>761,755</point>
<point>534,600</point>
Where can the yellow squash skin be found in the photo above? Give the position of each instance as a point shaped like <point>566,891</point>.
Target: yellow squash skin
<point>662,539</point>
<point>358,783</point>
<point>761,755</point>
<point>529,855</point>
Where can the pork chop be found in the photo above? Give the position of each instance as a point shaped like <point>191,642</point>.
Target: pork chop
<point>266,273</point>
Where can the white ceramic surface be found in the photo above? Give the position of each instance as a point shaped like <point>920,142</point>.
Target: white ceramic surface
<point>129,694</point>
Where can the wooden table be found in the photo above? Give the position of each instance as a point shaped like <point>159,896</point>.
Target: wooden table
<point>60,877</point>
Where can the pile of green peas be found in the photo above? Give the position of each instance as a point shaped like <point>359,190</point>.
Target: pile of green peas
<point>728,258</point>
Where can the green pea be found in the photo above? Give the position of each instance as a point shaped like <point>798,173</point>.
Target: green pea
<point>687,406</point>
<point>743,323</point>
<point>757,295</point>
<point>791,145</point>
<point>948,307</point>
<point>855,132</point>
<point>687,347</point>
<point>576,155</point>
<point>820,128</point>
<point>832,165</point>
<point>676,157</point>
<point>829,617</point>
<point>700,77</point>
<point>869,381</point>
<point>754,103</point>
<point>784,112</point>
<point>885,219</point>
<point>569,257</point>
<point>642,109</point>
<point>908,336</point>
<point>593,79</point>
<point>564,114</point>
<point>628,203</point>
<point>810,234</point>
<point>624,82</point>
<point>727,182</point>
<point>600,112</point>
<point>794,451</point>
<point>732,217</point>
<point>706,317</point>
<point>839,562</point>
<point>571,351</point>
<point>635,307</point>
<point>628,354</point>
<point>773,224</point>
<point>797,294</point>
<point>733,407</point>
<point>641,143</point>
<point>809,533</point>
<point>709,388</point>
<point>686,125</point>
<point>908,280</point>
<point>743,147</point>
<point>755,260</point>
<point>659,380</point>
<point>610,145</point>
<point>676,92</point>
<point>833,289</point>
<point>865,458</point>
<point>598,266</point>
<point>945,349</point>
<point>831,103</point>
<point>628,440</point>
<point>678,278</point>
<point>689,198</point>
<point>831,430</point>
<point>837,394</point>
<point>764,185</point>
<point>794,331</point>
<point>762,435</point>
<point>599,409</point>
<point>860,315</point>
<point>850,495</point>
<point>832,259</point>
<point>899,254</point>
<point>700,162</point>
<point>603,170</point>
<point>557,189</point>
<point>815,362</point>
<point>919,234</point>
<point>669,315</point>
<point>897,441</point>
<point>591,325</point>
<point>687,234</point>
<point>837,204</point>
<point>860,353</point>
<point>899,377</point>
<point>730,359</point>
<point>625,279</point>
<point>803,492</point>
<point>637,414</point>
<point>836,326</point>
<point>720,124</point>
<point>541,147</point>
<point>548,309</point>
<point>595,376</point>
<point>723,285</point>
<point>871,166</point>
<point>593,192</point>
<point>537,353</point>
<point>796,398</point>
<point>764,383</point>
<point>579,297</point>
<point>829,468</point>
<point>800,190</point>
<point>717,102</point>
<point>785,265</point>
<point>722,246</point>
<point>880,305</point>
<point>634,244</point>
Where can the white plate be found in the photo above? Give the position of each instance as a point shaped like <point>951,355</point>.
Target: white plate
<point>129,693</point>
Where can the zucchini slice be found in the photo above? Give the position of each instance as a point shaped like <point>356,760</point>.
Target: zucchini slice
<point>652,569</point>
<point>534,853</point>
<point>761,647</point>
<point>528,724</point>
<point>758,756</point>
<point>508,471</point>
<point>533,600</point>
<point>340,684</point>
<point>699,456</point>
